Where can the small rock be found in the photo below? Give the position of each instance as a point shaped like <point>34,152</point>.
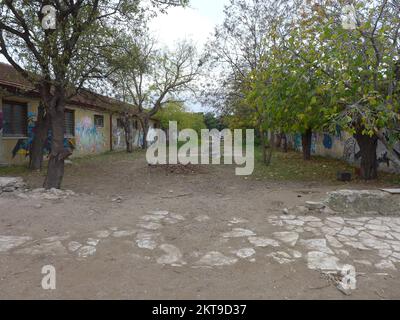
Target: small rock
<point>86,251</point>
<point>245,253</point>
<point>117,199</point>
<point>74,246</point>
<point>315,205</point>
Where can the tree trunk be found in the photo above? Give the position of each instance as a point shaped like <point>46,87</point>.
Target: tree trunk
<point>284,142</point>
<point>128,135</point>
<point>306,140</point>
<point>263,146</point>
<point>145,126</point>
<point>58,153</point>
<point>278,140</point>
<point>369,160</point>
<point>270,149</point>
<point>39,139</point>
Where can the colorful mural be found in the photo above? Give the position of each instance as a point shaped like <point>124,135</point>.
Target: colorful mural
<point>351,151</point>
<point>343,146</point>
<point>298,145</point>
<point>328,141</point>
<point>118,138</point>
<point>88,137</point>
<point>23,146</point>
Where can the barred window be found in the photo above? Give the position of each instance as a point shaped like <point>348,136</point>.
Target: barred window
<point>99,121</point>
<point>15,119</point>
<point>69,120</point>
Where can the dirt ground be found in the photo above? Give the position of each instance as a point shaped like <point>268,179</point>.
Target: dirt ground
<point>136,232</point>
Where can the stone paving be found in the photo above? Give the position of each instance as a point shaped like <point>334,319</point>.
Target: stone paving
<point>327,243</point>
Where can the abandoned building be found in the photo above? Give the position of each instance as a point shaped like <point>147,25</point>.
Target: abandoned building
<point>92,121</point>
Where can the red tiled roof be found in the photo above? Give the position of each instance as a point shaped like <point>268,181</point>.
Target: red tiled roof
<point>13,81</point>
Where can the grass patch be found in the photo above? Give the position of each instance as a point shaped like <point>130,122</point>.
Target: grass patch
<point>111,156</point>
<point>291,167</point>
<point>21,170</point>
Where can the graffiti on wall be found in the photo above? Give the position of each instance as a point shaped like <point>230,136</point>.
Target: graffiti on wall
<point>298,145</point>
<point>351,151</point>
<point>341,145</point>
<point>352,154</point>
<point>118,138</point>
<point>88,137</point>
<point>328,141</point>
<point>23,146</point>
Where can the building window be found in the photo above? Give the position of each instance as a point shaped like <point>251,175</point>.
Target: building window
<point>15,119</point>
<point>69,120</point>
<point>99,121</point>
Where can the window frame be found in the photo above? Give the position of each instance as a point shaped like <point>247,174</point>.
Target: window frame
<point>66,134</point>
<point>22,135</point>
<point>97,117</point>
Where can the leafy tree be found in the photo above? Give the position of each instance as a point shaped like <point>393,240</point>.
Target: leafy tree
<point>240,49</point>
<point>213,121</point>
<point>60,61</point>
<point>150,78</point>
<point>175,111</point>
<point>360,69</point>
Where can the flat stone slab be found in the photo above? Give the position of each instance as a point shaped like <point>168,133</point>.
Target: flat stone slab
<point>312,205</point>
<point>238,233</point>
<point>391,191</point>
<point>10,242</point>
<point>362,202</point>
<point>215,258</point>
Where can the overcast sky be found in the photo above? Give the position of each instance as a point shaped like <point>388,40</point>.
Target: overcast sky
<point>196,23</point>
